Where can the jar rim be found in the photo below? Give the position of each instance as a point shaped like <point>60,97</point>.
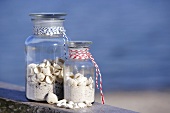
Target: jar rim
<point>47,16</point>
<point>75,44</point>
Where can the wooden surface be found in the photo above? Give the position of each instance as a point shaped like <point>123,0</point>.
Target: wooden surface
<point>12,100</point>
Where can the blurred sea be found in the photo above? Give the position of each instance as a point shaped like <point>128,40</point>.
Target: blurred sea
<point>131,39</point>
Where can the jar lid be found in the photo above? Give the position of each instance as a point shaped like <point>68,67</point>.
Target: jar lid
<point>57,16</point>
<point>77,44</point>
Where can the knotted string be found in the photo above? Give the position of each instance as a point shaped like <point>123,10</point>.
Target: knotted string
<point>85,54</point>
<point>65,39</point>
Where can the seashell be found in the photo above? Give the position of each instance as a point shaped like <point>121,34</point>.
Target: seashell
<point>57,73</point>
<point>45,60</point>
<point>63,105</point>
<point>88,103</point>
<point>29,78</point>
<point>46,71</point>
<point>90,86</point>
<point>67,78</point>
<point>49,79</point>
<point>40,77</point>
<point>71,102</point>
<point>69,106</point>
<point>48,63</point>
<point>69,74</point>
<point>75,106</point>
<point>52,70</point>
<point>59,104</point>
<point>51,98</point>
<point>81,105</point>
<point>59,61</point>
<point>61,74</point>
<point>42,65</point>
<point>71,82</point>
<point>30,71</point>
<point>74,83</point>
<point>82,83</point>
<point>37,70</point>
<point>57,66</point>
<point>32,65</point>
<point>33,78</point>
<point>62,101</point>
<point>89,81</point>
<point>78,75</point>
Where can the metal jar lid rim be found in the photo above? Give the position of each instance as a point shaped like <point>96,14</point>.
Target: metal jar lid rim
<point>58,16</point>
<point>73,44</point>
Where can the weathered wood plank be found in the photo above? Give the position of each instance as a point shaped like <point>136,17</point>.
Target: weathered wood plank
<point>12,100</point>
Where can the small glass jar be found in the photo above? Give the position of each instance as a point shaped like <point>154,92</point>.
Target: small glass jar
<point>45,56</point>
<point>79,85</point>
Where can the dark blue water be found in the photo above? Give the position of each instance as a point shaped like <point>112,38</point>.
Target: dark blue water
<point>131,38</point>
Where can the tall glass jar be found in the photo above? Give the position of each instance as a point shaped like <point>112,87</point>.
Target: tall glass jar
<point>79,85</point>
<point>45,56</point>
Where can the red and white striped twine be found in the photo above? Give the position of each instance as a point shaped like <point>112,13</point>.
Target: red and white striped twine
<point>85,54</point>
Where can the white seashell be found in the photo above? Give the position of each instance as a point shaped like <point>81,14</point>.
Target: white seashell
<point>37,70</point>
<point>48,63</point>
<point>45,60</point>
<point>59,61</point>
<point>69,106</point>
<point>33,78</point>
<point>71,82</point>
<point>32,65</point>
<point>81,105</point>
<point>59,104</point>
<point>30,71</point>
<point>51,98</point>
<point>42,65</point>
<point>88,103</point>
<point>46,71</point>
<point>89,81</point>
<point>67,78</point>
<point>63,105</point>
<point>49,79</point>
<point>57,73</point>
<point>74,83</point>
<point>69,74</point>
<point>61,74</point>
<point>78,75</point>
<point>82,83</point>
<point>75,106</point>
<point>40,77</point>
<point>70,102</point>
<point>63,101</point>
<point>90,86</point>
<point>57,66</point>
<point>52,70</point>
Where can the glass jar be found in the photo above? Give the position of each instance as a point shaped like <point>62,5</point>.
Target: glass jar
<point>79,85</point>
<point>45,56</point>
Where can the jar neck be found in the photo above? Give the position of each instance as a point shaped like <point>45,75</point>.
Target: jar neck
<point>79,53</point>
<point>52,28</point>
